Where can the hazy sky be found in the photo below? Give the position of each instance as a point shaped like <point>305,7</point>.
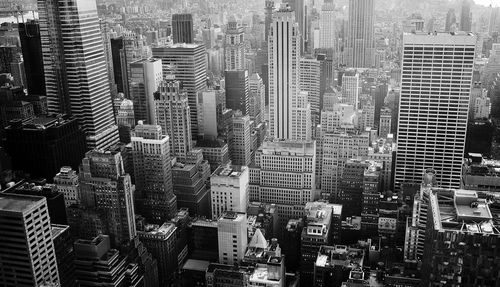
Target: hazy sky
<point>488,2</point>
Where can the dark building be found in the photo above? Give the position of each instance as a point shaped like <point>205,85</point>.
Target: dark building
<point>7,55</point>
<point>193,273</point>
<point>63,246</point>
<point>266,217</point>
<point>216,152</point>
<point>55,199</point>
<point>291,244</point>
<point>465,17</point>
<point>479,136</point>
<point>15,104</point>
<point>237,91</point>
<point>335,263</point>
<point>182,28</point>
<point>45,144</point>
<point>31,45</point>
<point>203,240</point>
<point>351,187</point>
<point>119,57</point>
<point>138,255</point>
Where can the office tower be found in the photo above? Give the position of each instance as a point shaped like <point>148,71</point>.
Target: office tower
<point>479,173</point>
<point>292,243</point>
<point>29,34</point>
<point>373,207</point>
<point>337,148</point>
<point>480,103</point>
<point>7,54</point>
<point>309,81</point>
<point>460,239</point>
<point>211,104</point>
<point>187,62</point>
<point>237,91</point>
<point>336,266</point>
<point>120,64</point>
<point>229,190</point>
<point>74,81</point>
<point>41,146</point>
<point>284,53</point>
<point>289,165</point>
<point>465,17</point>
<point>17,70</point>
<point>234,47</point>
<point>63,247</point>
<point>430,138</point>
<point>161,242</point>
<point>451,21</point>
<point>300,9</point>
<point>96,262</point>
<point>350,88</point>
<point>190,180</point>
<point>327,29</point>
<point>204,241</point>
<point>66,182</point>
<point>125,118</point>
<point>154,195</point>
<point>173,116</point>
<point>232,235</point>
<point>360,34</point>
<point>493,65</point>
<point>28,257</point>
<point>323,223</point>
<point>240,145</point>
<point>367,114</point>
<point>106,189</point>
<point>384,126</point>
<point>351,186</point>
<point>494,23</point>
<point>383,150</point>
<point>145,78</point>
<point>257,98</point>
<point>182,28</point>
<point>301,117</point>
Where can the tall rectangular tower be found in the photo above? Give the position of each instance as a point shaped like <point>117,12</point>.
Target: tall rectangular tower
<point>145,78</point>
<point>284,55</point>
<point>327,31</point>
<point>360,34</point>
<point>74,62</point>
<point>31,45</point>
<point>435,90</point>
<point>182,28</point>
<point>28,255</point>
<point>233,237</point>
<point>234,48</point>
<point>229,186</point>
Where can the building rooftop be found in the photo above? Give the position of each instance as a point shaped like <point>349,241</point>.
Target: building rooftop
<point>234,216</point>
<point>58,229</point>
<point>196,265</point>
<point>18,203</point>
<point>229,171</point>
<point>164,230</point>
<point>340,255</point>
<point>204,223</point>
<point>289,147</point>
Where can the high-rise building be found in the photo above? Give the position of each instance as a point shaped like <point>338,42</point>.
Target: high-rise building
<point>190,179</point>
<point>28,257</point>
<point>66,182</point>
<point>257,98</point>
<point>323,224</point>
<point>229,190</point>
<point>327,29</point>
<point>187,62</point>
<point>125,117</point>
<point>234,47</point>
<point>309,81</point>
<point>182,28</point>
<point>284,174</point>
<point>451,21</point>
<point>74,81</point>
<point>460,238</point>
<point>161,242</point>
<point>107,190</point>
<point>384,125</point>
<point>383,151</point>
<point>351,186</point>
<point>241,144</point>
<point>43,145</point>
<point>120,64</point>
<point>145,77</point>
<point>465,17</point>
<point>154,195</point>
<point>301,117</point>
<point>237,90</point>
<point>31,45</point>
<point>284,56</point>
<point>268,18</point>
<point>63,247</point>
<point>203,237</point>
<point>233,237</point>
<point>350,88</point>
<point>430,138</point>
<point>360,34</point>
<point>211,110</point>
<point>174,117</point>
<point>300,9</point>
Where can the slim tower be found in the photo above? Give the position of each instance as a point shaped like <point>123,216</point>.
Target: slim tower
<point>360,35</point>
<point>182,28</point>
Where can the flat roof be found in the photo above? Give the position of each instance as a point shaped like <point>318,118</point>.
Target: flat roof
<point>196,265</point>
<point>18,203</point>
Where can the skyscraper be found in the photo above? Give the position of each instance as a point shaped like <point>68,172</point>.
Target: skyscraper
<point>154,195</point>
<point>451,21</point>
<point>309,81</point>
<point>300,9</point>
<point>350,88</point>
<point>433,109</point>
<point>268,18</point>
<point>301,117</point>
<point>465,17</point>
<point>284,55</point>
<point>360,34</point>
<point>327,30</point>
<point>233,237</point>
<point>173,116</point>
<point>229,190</point>
<point>120,69</point>
<point>187,62</point>
<point>145,78</point>
<point>182,28</point>
<point>28,256</point>
<point>74,62</point>
<point>29,34</point>
<point>241,144</point>
<point>257,98</point>
<point>234,47</point>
